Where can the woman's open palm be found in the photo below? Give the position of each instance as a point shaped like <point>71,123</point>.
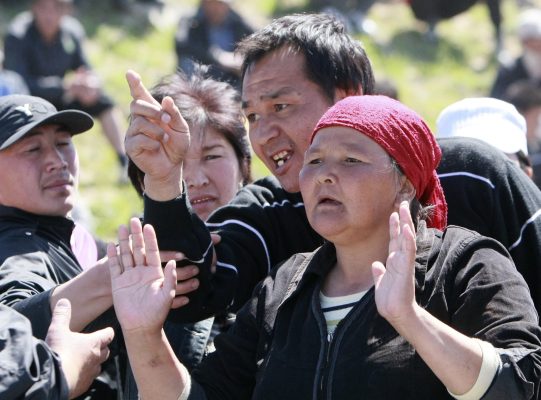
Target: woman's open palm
<point>142,291</point>
<point>395,282</point>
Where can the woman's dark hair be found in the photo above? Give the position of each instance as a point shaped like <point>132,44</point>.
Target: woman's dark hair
<point>203,101</point>
<point>333,59</point>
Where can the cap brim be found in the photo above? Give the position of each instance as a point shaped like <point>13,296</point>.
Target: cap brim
<point>74,121</point>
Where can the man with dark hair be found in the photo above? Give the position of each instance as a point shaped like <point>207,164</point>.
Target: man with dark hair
<point>294,70</point>
<point>39,165</point>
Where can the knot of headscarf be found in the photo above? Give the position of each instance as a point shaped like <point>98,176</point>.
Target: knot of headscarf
<point>403,134</point>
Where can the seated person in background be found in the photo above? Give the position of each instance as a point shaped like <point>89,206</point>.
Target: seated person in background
<point>447,315</point>
<point>62,367</point>
<point>528,64</point>
<point>209,37</point>
<point>37,193</point>
<point>10,81</point>
<point>216,166</point>
<point>45,46</point>
<point>493,121</point>
<point>527,99</point>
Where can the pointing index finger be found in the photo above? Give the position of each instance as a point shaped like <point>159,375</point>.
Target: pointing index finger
<point>138,91</point>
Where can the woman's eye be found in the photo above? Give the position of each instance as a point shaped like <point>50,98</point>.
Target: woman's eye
<point>212,157</point>
<point>314,161</point>
<point>280,107</point>
<point>352,160</point>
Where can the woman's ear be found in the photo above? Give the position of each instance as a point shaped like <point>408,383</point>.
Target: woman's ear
<point>406,192</point>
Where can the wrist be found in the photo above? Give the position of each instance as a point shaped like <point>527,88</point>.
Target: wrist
<point>163,188</point>
<point>409,321</point>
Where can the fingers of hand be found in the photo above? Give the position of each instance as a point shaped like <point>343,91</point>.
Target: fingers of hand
<point>186,272</point>
<point>137,89</point>
<point>151,246</point>
<point>150,110</point>
<point>167,255</point>
<point>216,238</point>
<point>173,117</point>
<point>124,247</point>
<point>187,286</point>
<point>141,125</point>
<point>179,301</point>
<point>394,232</point>
<point>137,242</point>
<point>115,269</point>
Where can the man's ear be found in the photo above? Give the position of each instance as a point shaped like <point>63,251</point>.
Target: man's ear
<point>406,193</point>
<point>340,94</point>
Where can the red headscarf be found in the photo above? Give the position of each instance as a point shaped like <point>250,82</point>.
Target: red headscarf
<point>403,134</point>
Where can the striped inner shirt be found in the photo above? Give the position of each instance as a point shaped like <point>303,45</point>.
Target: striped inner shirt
<point>335,309</point>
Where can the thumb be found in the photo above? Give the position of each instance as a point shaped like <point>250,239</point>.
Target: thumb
<point>378,270</point>
<point>61,314</point>
<point>104,336</point>
<point>170,278</point>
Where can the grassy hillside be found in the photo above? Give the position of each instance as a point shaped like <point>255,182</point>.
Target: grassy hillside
<point>429,76</point>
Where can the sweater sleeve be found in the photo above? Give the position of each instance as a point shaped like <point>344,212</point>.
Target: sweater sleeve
<point>260,227</point>
<point>28,367</point>
<point>25,285</point>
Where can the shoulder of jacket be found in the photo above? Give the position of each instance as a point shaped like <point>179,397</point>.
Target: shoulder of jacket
<point>20,24</point>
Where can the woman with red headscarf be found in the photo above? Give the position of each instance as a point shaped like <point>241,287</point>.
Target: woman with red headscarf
<point>393,305</point>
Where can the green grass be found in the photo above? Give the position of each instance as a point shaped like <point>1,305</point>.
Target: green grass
<point>428,76</point>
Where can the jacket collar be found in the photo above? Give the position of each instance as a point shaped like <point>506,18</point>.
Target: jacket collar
<point>318,263</point>
<point>58,226</point>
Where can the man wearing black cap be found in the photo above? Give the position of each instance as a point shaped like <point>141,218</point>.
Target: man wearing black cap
<point>38,180</point>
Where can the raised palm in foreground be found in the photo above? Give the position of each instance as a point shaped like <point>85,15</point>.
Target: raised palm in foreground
<point>395,282</point>
<point>143,292</point>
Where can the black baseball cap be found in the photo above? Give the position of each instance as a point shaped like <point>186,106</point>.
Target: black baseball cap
<point>19,114</point>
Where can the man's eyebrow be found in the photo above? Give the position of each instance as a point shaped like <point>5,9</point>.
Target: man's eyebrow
<point>272,95</point>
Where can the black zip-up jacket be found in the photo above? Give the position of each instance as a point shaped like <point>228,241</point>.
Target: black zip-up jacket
<point>29,369</point>
<point>264,225</point>
<point>35,257</point>
<point>278,348</point>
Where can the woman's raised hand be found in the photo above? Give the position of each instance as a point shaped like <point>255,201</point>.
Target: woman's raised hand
<point>143,292</point>
<point>395,281</point>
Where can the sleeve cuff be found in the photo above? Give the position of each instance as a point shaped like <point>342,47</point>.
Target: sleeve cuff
<point>490,365</point>
<point>187,387</point>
